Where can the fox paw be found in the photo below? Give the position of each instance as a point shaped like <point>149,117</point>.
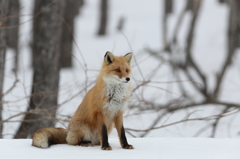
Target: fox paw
<point>106,148</point>
<point>85,143</point>
<point>128,147</point>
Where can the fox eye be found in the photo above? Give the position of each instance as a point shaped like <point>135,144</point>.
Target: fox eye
<point>127,70</point>
<point>117,70</point>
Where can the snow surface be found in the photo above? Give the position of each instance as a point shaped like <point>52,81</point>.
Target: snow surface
<point>145,148</point>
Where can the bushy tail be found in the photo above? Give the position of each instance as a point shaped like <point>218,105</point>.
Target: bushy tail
<point>46,137</point>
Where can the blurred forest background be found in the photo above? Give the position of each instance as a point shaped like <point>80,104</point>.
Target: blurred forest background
<point>53,36</point>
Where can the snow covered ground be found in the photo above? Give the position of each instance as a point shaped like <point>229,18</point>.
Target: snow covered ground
<point>152,148</point>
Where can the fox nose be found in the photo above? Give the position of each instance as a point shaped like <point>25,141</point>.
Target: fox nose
<point>127,79</point>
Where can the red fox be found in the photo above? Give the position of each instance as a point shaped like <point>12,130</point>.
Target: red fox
<point>102,107</point>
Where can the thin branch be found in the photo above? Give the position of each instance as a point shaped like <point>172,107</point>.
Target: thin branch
<point>37,14</point>
<point>134,58</point>
<point>184,120</point>
<point>215,124</point>
<point>14,84</point>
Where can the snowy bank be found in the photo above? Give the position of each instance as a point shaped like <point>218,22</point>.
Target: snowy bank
<point>150,148</point>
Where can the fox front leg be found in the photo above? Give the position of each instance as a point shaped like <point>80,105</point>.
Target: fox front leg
<point>103,133</point>
<point>105,144</point>
<point>118,121</point>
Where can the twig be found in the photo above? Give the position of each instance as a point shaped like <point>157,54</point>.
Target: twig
<point>181,121</point>
<point>37,14</point>
<point>14,84</point>
<point>215,124</point>
<point>134,58</point>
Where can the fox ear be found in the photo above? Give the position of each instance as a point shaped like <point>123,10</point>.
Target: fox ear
<point>128,57</point>
<point>109,57</point>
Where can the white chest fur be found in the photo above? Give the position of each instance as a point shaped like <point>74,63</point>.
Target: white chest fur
<point>116,93</point>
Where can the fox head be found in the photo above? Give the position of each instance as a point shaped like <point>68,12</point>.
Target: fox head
<point>117,68</point>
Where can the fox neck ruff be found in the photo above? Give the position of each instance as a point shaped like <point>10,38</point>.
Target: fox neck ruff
<point>116,93</point>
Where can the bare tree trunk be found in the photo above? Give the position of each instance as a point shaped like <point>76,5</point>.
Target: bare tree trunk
<point>190,5</point>
<point>233,41</point>
<point>168,8</point>
<point>4,9</point>
<point>120,23</point>
<point>46,53</point>
<point>103,17</point>
<point>222,1</point>
<point>72,8</point>
<point>13,32</point>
